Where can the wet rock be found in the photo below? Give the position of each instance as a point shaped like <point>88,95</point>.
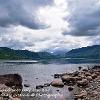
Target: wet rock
<point>96,67</point>
<point>47,85</point>
<point>36,78</point>
<point>57,75</point>
<point>75,73</point>
<point>82,83</point>
<point>26,85</point>
<point>79,67</point>
<point>57,83</point>
<point>39,87</point>
<point>70,88</point>
<point>85,70</point>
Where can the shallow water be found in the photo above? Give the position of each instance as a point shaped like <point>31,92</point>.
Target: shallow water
<point>41,73</point>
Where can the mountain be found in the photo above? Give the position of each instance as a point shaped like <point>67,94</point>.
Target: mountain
<point>7,53</point>
<point>85,52</point>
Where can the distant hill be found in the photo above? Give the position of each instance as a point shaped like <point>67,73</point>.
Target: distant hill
<point>85,52</point>
<point>7,53</point>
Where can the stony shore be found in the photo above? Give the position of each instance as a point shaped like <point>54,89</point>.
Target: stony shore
<point>84,83</point>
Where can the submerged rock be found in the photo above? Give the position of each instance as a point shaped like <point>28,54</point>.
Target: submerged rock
<point>70,88</point>
<point>26,85</point>
<point>80,67</point>
<point>39,86</point>
<point>47,85</point>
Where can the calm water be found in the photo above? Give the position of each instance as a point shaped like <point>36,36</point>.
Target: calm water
<point>44,71</point>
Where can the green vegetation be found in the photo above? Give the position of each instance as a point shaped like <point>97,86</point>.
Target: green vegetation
<point>85,52</point>
<point>7,53</point>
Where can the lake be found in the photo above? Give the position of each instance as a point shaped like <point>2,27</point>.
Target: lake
<point>38,73</point>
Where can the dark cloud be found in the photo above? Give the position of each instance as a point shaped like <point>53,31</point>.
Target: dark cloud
<point>85,18</point>
<point>21,12</point>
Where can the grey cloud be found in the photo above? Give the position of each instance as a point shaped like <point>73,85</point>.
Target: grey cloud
<point>84,19</point>
<point>21,12</point>
<point>7,41</point>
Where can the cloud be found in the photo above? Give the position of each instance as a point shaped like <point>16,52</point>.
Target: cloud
<point>71,24</point>
<point>84,19</point>
<point>21,12</point>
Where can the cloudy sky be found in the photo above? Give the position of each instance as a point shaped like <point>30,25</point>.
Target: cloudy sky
<point>49,24</point>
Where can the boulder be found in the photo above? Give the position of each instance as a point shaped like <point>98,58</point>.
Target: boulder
<point>13,81</point>
<point>57,83</point>
<point>68,79</point>
<point>82,83</point>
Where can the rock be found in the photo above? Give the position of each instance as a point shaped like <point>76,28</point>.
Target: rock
<point>47,85</point>
<point>79,67</point>
<point>26,85</point>
<point>16,99</point>
<point>82,83</point>
<point>70,88</point>
<point>94,76</point>
<point>57,83</point>
<point>96,67</point>
<point>68,79</point>
<point>82,76</point>
<point>89,78</point>
<point>94,93</point>
<point>87,74</point>
<point>12,81</point>
<point>81,95</point>
<point>85,70</point>
<point>36,78</point>
<point>75,73</point>
<point>97,73</point>
<point>39,87</point>
<point>57,75</point>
